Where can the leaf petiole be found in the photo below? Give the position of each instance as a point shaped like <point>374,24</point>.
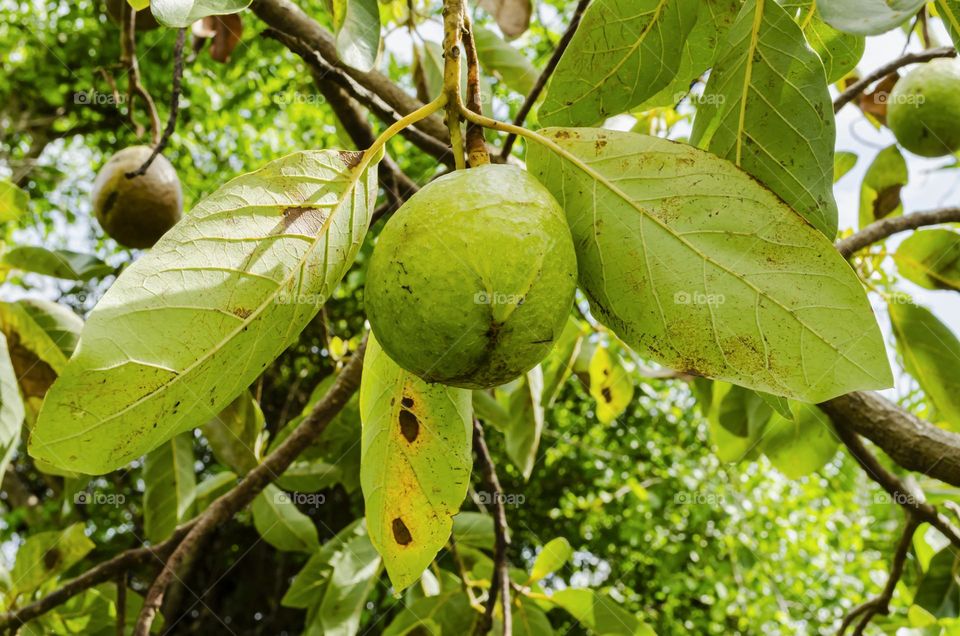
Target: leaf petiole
<point>375,150</point>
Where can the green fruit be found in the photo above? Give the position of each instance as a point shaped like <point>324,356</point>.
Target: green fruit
<point>145,19</point>
<point>472,279</point>
<point>923,109</point>
<point>136,212</point>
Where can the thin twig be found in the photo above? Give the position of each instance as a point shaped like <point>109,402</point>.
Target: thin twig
<point>96,575</point>
<point>545,75</point>
<point>501,575</point>
<point>252,484</point>
<point>128,58</point>
<point>452,28</point>
<point>174,107</point>
<point>854,90</point>
<point>884,228</point>
<point>477,153</point>
<point>881,604</point>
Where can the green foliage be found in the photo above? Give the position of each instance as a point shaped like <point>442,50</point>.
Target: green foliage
<point>882,183</point>
<point>868,17</point>
<point>357,24</point>
<point>760,297</point>
<point>931,259</point>
<point>170,486</point>
<point>183,13</point>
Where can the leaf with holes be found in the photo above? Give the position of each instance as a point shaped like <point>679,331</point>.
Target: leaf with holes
<point>931,354</point>
<point>624,52</point>
<point>930,259</point>
<point>415,463</point>
<point>766,108</point>
<point>170,484</point>
<point>868,17</point>
<point>183,13</point>
<point>195,320</point>
<point>694,264</point>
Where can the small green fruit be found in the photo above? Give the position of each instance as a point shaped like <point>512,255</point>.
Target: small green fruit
<point>136,212</point>
<point>923,109</point>
<point>472,279</point>
<point>145,19</point>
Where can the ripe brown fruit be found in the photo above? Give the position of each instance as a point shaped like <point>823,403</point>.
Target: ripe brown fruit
<point>137,212</point>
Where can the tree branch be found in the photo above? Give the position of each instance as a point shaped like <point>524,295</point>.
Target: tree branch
<point>884,228</point>
<point>273,465</point>
<point>101,573</point>
<point>476,144</point>
<point>324,72</point>
<point>854,90</point>
<point>545,75</point>
<point>286,17</point>
<point>452,27</point>
<point>174,107</point>
<point>881,604</point>
<point>501,574</point>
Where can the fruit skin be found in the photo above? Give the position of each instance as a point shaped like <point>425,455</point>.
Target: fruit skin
<point>448,270</point>
<point>145,19</point>
<point>136,212</point>
<point>923,109</point>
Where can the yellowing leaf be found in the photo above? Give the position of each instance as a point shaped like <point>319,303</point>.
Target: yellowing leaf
<point>551,558</point>
<point>415,463</point>
<point>610,384</point>
<point>930,259</point>
<point>695,265</point>
<point>194,321</point>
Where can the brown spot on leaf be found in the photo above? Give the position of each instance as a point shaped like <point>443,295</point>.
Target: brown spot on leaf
<point>607,395</point>
<point>240,312</point>
<point>887,201</point>
<point>409,425</point>
<point>351,157</point>
<point>407,402</point>
<point>51,558</point>
<point>303,220</point>
<point>400,532</point>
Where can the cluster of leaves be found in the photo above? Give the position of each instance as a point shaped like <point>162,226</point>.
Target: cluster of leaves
<point>712,258</point>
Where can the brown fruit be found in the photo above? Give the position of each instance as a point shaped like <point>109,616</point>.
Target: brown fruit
<point>137,212</point>
<point>145,19</point>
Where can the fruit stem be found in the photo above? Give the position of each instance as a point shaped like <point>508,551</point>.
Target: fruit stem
<point>452,25</point>
<point>375,150</point>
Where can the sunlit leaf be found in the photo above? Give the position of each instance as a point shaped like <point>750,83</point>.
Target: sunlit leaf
<point>599,613</point>
<point>930,259</point>
<point>843,162</point>
<point>552,557</point>
<point>695,265</point>
<point>14,202</point>
<point>183,13</point>
<point>610,384</point>
<point>840,52</point>
<point>195,320</point>
<point>415,463</point>
<point>766,108</point>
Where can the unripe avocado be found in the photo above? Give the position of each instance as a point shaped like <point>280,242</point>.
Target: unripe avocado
<point>136,212</point>
<point>472,279</point>
<point>923,109</point>
<point>145,19</point>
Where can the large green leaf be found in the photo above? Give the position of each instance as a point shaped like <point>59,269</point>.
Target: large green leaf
<point>931,259</point>
<point>415,463</point>
<point>931,354</point>
<point>194,321</point>
<point>599,613</point>
<point>694,264</point>
<point>170,484</point>
<point>236,434</point>
<point>624,52</point>
<point>183,13</point>
<point>64,264</point>
<point>882,183</point>
<point>868,17</point>
<point>949,12</point>
<point>802,444</point>
<point>767,109</point>
<point>11,407</point>
<point>358,32</point>
<point>500,58</point>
